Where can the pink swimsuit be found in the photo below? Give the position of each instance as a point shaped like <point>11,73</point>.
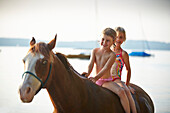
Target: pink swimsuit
<point>101,81</point>
<point>116,70</point>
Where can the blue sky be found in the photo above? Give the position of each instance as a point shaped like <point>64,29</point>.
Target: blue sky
<point>83,20</point>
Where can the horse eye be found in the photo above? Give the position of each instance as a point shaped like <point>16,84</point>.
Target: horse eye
<point>45,62</point>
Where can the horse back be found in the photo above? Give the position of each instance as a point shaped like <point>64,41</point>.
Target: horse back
<point>144,103</point>
<point>107,101</point>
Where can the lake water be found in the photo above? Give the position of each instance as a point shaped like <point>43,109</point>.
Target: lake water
<point>150,73</point>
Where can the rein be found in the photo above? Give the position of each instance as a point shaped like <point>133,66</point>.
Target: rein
<point>42,84</point>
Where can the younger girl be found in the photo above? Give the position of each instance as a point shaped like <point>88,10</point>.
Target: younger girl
<point>122,58</point>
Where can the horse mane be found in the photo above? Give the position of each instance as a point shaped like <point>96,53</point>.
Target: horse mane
<point>67,65</point>
<point>40,48</point>
<point>64,60</point>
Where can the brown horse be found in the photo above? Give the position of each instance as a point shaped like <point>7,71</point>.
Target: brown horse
<point>70,92</point>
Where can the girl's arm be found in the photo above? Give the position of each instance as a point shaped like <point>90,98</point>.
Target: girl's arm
<point>107,66</point>
<point>127,65</point>
<point>92,61</point>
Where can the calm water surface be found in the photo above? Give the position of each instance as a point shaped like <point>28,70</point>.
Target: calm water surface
<point>150,73</point>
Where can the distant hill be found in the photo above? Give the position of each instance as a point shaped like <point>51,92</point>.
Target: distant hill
<point>146,45</point>
<point>129,44</point>
<point>14,42</point>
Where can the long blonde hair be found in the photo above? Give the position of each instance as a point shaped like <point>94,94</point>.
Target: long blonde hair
<point>122,30</point>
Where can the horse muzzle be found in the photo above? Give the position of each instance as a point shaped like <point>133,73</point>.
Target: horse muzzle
<point>26,93</point>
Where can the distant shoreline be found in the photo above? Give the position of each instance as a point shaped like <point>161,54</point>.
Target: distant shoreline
<point>129,44</point>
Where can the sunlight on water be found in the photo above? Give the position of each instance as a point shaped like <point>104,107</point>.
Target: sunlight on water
<point>150,73</point>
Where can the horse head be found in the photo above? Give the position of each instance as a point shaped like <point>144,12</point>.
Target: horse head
<point>37,66</point>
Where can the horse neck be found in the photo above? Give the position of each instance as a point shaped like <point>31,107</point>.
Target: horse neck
<point>70,94</point>
<point>64,87</point>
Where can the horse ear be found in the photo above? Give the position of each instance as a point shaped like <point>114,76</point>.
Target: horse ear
<point>32,42</point>
<point>51,44</point>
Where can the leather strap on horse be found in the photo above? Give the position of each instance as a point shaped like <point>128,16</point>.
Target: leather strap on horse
<point>42,84</point>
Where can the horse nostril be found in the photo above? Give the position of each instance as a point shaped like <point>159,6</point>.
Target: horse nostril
<point>28,90</point>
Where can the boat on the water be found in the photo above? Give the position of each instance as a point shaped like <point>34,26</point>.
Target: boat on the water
<point>140,54</point>
<point>80,56</point>
<point>144,43</point>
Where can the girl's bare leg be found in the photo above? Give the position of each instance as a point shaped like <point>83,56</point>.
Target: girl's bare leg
<point>131,101</point>
<point>120,92</point>
<point>130,98</point>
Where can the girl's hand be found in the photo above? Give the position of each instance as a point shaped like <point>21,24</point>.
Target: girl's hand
<point>84,74</point>
<point>132,90</point>
<point>93,79</point>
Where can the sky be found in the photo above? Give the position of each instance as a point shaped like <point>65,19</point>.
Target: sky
<point>84,20</point>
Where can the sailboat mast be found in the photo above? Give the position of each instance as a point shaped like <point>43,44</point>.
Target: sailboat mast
<point>143,35</point>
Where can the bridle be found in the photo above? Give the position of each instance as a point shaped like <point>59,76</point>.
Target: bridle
<point>42,84</point>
